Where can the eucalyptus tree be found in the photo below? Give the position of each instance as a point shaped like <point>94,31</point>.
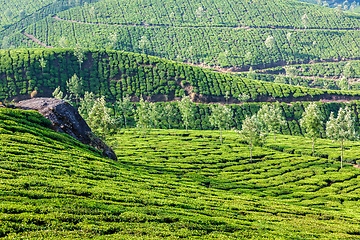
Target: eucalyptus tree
<point>99,119</point>
<point>251,132</point>
<point>341,128</point>
<point>243,97</point>
<point>305,20</point>
<point>311,123</point>
<point>220,116</point>
<point>42,62</point>
<point>154,114</point>
<point>185,110</point>
<point>74,86</point>
<point>272,118</point>
<point>169,112</point>
<point>142,116</point>
<point>86,104</point>
<point>79,53</point>
<point>124,107</point>
<point>57,93</point>
<point>144,43</point>
<point>270,42</point>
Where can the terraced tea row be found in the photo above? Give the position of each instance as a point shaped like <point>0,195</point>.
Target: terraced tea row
<point>237,48</point>
<point>57,188</point>
<point>115,74</point>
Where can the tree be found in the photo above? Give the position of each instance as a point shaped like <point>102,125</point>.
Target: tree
<point>5,43</point>
<point>305,20</point>
<point>92,11</point>
<point>220,116</point>
<point>280,78</point>
<point>227,96</point>
<point>86,104</point>
<point>288,36</point>
<point>74,86</point>
<point>144,43</point>
<point>349,73</point>
<point>271,117</point>
<point>344,84</point>
<point>243,97</point>
<point>63,42</point>
<point>113,38</point>
<point>185,109</point>
<point>8,13</point>
<point>338,11</point>
<point>124,107</point>
<point>270,42</point>
<point>251,74</point>
<point>22,14</point>
<point>58,94</point>
<point>142,116</point>
<point>169,112</point>
<point>251,132</point>
<point>79,53</point>
<point>290,72</point>
<point>154,114</point>
<point>341,128</point>
<point>42,64</point>
<point>99,119</point>
<point>199,13</point>
<point>311,122</point>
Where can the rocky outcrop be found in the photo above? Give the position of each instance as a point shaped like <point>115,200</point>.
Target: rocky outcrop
<point>66,119</point>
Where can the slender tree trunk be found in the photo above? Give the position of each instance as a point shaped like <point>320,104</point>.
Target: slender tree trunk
<point>342,153</point>
<point>169,123</point>
<point>274,137</point>
<point>313,146</point>
<point>220,136</point>
<point>250,151</point>
<point>144,130</point>
<point>125,120</point>
<point>251,154</point>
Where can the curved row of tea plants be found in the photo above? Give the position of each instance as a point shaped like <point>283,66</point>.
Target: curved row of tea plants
<point>263,13</point>
<point>115,74</point>
<point>53,187</point>
<point>236,47</point>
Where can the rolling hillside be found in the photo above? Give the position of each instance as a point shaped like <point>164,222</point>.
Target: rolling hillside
<point>231,34</point>
<point>56,188</point>
<point>115,74</point>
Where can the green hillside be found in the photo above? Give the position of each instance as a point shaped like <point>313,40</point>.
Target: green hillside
<point>115,74</point>
<point>230,34</point>
<point>53,187</point>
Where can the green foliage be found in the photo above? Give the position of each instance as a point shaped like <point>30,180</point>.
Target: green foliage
<point>311,122</point>
<point>252,132</point>
<point>341,128</point>
<point>142,117</point>
<point>99,119</point>
<point>185,109</point>
<point>123,108</point>
<point>74,86</point>
<point>220,117</point>
<point>271,117</point>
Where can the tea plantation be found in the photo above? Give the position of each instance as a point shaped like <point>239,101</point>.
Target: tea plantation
<point>226,34</point>
<point>172,184</point>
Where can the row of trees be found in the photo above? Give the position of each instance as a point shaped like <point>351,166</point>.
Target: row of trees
<point>269,118</point>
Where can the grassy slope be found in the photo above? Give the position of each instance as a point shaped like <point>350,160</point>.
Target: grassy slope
<point>115,74</point>
<point>55,188</point>
<point>170,39</point>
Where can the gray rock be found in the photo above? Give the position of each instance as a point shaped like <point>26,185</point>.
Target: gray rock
<point>66,119</point>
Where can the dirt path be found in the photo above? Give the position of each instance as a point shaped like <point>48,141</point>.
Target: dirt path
<point>35,40</point>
